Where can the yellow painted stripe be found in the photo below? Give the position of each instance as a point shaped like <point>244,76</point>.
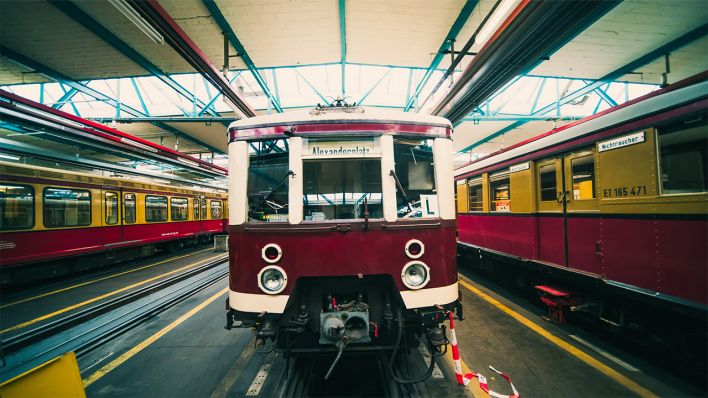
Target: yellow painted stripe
<point>473,386</point>
<point>98,280</point>
<point>101,297</point>
<point>572,350</point>
<point>130,353</point>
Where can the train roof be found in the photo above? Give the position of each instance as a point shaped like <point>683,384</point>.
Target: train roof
<point>675,95</point>
<point>342,120</point>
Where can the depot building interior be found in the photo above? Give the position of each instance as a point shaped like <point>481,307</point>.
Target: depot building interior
<point>465,195</point>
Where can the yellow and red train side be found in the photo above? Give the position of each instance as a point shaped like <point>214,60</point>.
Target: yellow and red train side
<point>614,207</point>
<point>104,217</point>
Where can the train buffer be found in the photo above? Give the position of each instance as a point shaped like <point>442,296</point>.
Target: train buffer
<point>557,300</point>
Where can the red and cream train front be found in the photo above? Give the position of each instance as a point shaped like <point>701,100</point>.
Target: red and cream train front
<point>341,227</point>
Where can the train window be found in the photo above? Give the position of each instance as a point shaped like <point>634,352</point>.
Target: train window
<point>179,209</point>
<point>583,177</point>
<point>500,191</point>
<point>475,194</point>
<point>129,208</point>
<point>215,209</point>
<point>195,208</point>
<point>66,207</point>
<point>342,189</point>
<point>416,175</point>
<point>547,174</point>
<point>155,208</point>
<point>268,183</point>
<point>111,203</point>
<point>16,207</point>
<point>203,208</point>
<point>684,158</point>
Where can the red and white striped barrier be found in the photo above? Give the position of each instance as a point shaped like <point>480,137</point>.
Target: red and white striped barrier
<point>461,380</point>
<point>465,379</point>
<point>485,387</point>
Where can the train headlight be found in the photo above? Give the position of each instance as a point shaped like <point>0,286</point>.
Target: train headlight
<point>271,253</point>
<point>415,249</point>
<point>415,275</point>
<point>272,279</point>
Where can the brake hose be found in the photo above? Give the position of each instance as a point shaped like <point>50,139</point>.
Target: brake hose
<point>426,375</point>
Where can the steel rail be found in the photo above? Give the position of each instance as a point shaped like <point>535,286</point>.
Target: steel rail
<point>85,330</point>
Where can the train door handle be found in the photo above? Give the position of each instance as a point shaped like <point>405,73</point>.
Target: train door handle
<point>562,196</point>
<point>598,247</point>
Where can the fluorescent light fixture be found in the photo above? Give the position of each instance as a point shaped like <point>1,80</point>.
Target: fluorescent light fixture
<point>48,115</point>
<point>160,181</point>
<point>138,20</point>
<point>189,162</point>
<point>10,157</point>
<point>493,23</point>
<point>138,144</point>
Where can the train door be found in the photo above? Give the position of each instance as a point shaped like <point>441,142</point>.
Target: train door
<point>551,210</point>
<point>129,206</point>
<point>581,212</point>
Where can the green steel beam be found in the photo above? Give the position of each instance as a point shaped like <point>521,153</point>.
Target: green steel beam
<point>236,43</point>
<point>445,46</point>
<point>343,41</point>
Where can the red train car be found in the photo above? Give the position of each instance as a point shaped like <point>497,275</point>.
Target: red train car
<point>55,222</point>
<point>341,227</point>
<point>607,215</point>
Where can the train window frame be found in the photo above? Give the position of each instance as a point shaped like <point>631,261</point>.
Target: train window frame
<point>571,165</point>
<point>494,179</point>
<point>115,208</point>
<point>45,217</point>
<point>195,209</point>
<point>663,131</point>
<point>203,209</point>
<point>474,182</point>
<point>172,213</point>
<point>221,209</point>
<point>554,167</point>
<point>167,207</point>
<point>134,208</point>
<point>32,209</point>
<point>416,174</point>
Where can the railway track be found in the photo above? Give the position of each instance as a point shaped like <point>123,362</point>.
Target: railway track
<point>87,329</point>
<point>364,374</point>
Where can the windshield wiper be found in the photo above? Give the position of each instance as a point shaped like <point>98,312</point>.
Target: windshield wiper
<point>400,189</point>
<point>266,198</point>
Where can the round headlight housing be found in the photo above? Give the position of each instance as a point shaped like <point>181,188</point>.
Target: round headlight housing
<point>271,253</point>
<point>272,279</point>
<point>414,249</point>
<point>415,275</point>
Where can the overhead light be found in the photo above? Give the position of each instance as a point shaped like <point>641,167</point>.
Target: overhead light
<point>189,162</point>
<point>48,115</point>
<point>160,181</point>
<point>500,15</point>
<point>10,157</point>
<point>137,144</point>
<point>138,20</point>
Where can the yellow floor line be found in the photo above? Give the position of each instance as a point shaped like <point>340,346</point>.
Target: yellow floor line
<point>98,280</point>
<point>130,353</point>
<point>101,297</point>
<point>599,366</point>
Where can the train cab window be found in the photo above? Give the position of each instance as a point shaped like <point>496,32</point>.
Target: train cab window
<point>215,206</point>
<point>16,207</point>
<point>475,194</point>
<point>268,182</point>
<point>111,206</point>
<point>155,208</point>
<point>416,174</point>
<point>129,207</point>
<point>500,191</point>
<point>336,189</point>
<point>179,209</point>
<point>583,169</point>
<point>66,207</point>
<point>683,152</point>
<point>547,180</point>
